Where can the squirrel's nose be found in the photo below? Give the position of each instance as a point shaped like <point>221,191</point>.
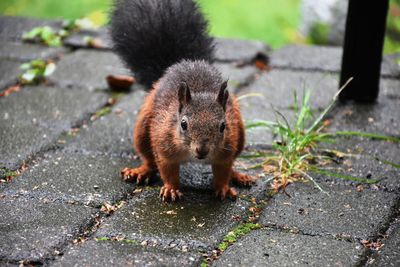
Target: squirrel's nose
<point>201,152</point>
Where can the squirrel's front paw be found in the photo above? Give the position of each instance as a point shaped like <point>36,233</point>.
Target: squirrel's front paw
<point>243,179</point>
<point>168,193</point>
<point>139,175</point>
<point>226,191</point>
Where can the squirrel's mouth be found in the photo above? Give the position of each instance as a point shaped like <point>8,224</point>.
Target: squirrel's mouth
<point>201,157</point>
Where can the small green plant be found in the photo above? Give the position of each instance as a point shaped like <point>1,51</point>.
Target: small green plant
<point>8,175</point>
<point>297,152</point>
<point>319,33</point>
<point>36,71</point>
<point>52,37</point>
<point>46,35</point>
<point>239,231</point>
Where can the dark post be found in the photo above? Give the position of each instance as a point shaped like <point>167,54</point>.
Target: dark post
<point>362,51</point>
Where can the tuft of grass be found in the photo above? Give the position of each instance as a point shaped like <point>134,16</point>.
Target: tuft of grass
<point>239,231</point>
<point>296,149</point>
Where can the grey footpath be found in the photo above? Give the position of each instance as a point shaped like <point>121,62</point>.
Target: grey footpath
<point>69,161</point>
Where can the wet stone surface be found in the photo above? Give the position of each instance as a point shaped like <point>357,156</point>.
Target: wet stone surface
<point>380,118</point>
<point>237,76</point>
<point>321,58</point>
<point>389,255</point>
<point>366,159</point>
<point>91,180</point>
<point>83,39</point>
<point>278,87</point>
<point>344,213</point>
<point>200,221</point>
<point>33,229</point>
<point>390,88</point>
<point>112,253</point>
<point>324,59</point>
<point>111,134</point>
<point>25,52</point>
<point>267,247</point>
<point>37,115</point>
<point>94,67</point>
<point>12,28</point>
<point>238,50</point>
<point>391,66</point>
<point>9,71</point>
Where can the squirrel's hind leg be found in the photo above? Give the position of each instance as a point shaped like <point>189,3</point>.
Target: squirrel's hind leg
<point>242,179</point>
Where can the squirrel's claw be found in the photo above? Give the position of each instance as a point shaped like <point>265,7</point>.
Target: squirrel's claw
<point>169,194</point>
<point>243,179</point>
<point>139,175</point>
<point>224,192</point>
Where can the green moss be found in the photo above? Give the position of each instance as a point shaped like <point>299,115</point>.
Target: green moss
<point>102,112</point>
<point>239,231</point>
<point>319,33</point>
<point>103,238</point>
<point>122,240</point>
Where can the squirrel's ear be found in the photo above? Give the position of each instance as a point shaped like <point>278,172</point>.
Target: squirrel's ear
<point>183,95</point>
<point>223,95</point>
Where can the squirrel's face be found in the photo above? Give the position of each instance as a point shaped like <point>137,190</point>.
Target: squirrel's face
<point>201,122</point>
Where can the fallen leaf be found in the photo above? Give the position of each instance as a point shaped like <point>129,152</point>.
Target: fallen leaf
<point>10,90</point>
<point>269,168</point>
<point>171,212</point>
<point>120,82</point>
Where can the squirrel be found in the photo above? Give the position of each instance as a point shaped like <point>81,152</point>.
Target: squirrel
<point>188,114</point>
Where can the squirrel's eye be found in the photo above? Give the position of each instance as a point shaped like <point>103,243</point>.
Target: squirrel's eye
<point>222,127</point>
<point>184,124</point>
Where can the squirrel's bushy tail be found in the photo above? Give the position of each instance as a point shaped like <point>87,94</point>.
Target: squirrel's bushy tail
<point>151,35</point>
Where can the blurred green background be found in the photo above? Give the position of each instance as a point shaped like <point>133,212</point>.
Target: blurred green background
<point>272,21</point>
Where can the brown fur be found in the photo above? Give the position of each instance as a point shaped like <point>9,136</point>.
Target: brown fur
<point>163,147</point>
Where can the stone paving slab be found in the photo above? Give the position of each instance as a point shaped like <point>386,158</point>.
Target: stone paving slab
<point>390,88</point>
<point>389,255</point>
<point>88,69</point>
<point>267,247</point>
<point>91,180</point>
<point>345,213</point>
<point>25,52</point>
<point>303,57</point>
<point>238,50</point>
<point>238,76</point>
<point>111,253</point>
<point>79,39</point>
<point>278,87</point>
<point>381,118</point>
<point>200,221</point>
<point>226,50</point>
<point>323,58</point>
<point>12,28</point>
<point>362,167</point>
<point>34,229</point>
<point>37,115</point>
<point>9,71</point>
<point>391,65</point>
<point>19,142</point>
<point>111,134</point>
